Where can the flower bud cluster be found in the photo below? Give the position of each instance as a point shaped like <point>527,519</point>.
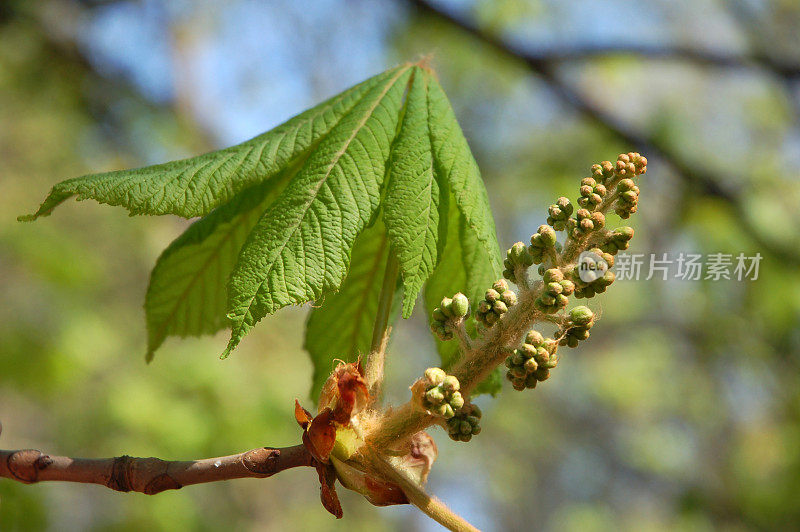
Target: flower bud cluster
<point>532,362</point>
<point>498,299</point>
<point>603,172</point>
<point>628,201</point>
<point>449,310</point>
<point>555,293</point>
<point>581,319</point>
<point>465,424</point>
<point>617,240</point>
<point>592,193</point>
<point>517,256</point>
<point>630,164</point>
<point>559,213</point>
<point>585,222</point>
<point>544,242</point>
<point>441,393</point>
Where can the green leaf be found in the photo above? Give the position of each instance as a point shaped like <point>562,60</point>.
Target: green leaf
<point>412,203</point>
<point>187,295</point>
<point>283,212</point>
<point>341,328</point>
<point>300,249</point>
<point>195,186</point>
<point>453,162</point>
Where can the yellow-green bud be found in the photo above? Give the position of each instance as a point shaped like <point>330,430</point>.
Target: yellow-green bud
<point>445,306</point>
<point>435,376</point>
<point>460,305</point>
<point>450,384</point>
<point>534,338</point>
<point>581,315</point>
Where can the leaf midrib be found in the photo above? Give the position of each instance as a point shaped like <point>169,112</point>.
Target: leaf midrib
<point>319,185</point>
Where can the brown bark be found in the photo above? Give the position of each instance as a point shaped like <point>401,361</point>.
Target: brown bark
<point>149,475</point>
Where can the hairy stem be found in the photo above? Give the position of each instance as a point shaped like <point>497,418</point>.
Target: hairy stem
<point>373,370</point>
<point>149,475</point>
<point>399,424</point>
<point>430,505</point>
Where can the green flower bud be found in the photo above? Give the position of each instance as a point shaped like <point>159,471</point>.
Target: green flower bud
<point>547,235</point>
<point>438,315</point>
<point>457,400</point>
<point>447,411</point>
<point>434,396</point>
<point>465,437</point>
<point>567,287</point>
<point>581,315</point>
<point>542,355</point>
<point>492,295</point>
<point>554,288</point>
<point>518,384</point>
<point>484,307</point>
<point>441,410</point>
<point>445,305</point>
<point>598,219</point>
<point>571,341</point>
<point>435,375</point>
<point>530,381</point>
<point>450,384</point>
<point>531,365</point>
<point>518,357</point>
<point>553,362</point>
<point>553,275</point>
<point>534,338</point>
<point>606,280</point>
<point>508,297</point>
<point>460,305</point>
<point>516,252</point>
<point>542,374</point>
<point>499,307</point>
<point>623,233</point>
<point>626,184</point>
<point>527,350</point>
<point>501,285</point>
<point>629,196</point>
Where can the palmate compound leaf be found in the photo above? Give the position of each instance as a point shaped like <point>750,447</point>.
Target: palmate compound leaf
<point>284,212</point>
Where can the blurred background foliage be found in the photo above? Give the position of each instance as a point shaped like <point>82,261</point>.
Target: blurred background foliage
<point>683,412</point>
